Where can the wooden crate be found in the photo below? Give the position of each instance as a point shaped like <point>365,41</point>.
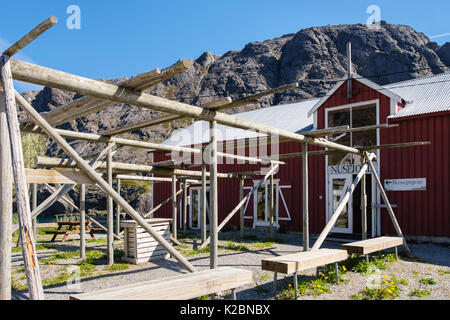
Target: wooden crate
<point>139,246</point>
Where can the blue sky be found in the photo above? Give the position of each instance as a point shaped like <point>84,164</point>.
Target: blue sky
<point>123,38</point>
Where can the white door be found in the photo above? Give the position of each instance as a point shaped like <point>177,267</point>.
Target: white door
<point>261,205</point>
<point>337,185</point>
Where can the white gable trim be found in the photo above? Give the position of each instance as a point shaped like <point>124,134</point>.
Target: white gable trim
<point>364,81</point>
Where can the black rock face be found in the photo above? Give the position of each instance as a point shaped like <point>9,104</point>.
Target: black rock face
<point>312,57</point>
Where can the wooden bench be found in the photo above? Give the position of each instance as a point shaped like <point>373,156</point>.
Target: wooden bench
<point>293,263</point>
<point>365,247</point>
<point>181,287</point>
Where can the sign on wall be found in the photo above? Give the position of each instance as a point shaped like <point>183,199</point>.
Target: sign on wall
<point>348,168</point>
<point>415,184</point>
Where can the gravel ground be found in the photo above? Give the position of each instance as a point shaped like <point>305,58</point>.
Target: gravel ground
<point>432,261</point>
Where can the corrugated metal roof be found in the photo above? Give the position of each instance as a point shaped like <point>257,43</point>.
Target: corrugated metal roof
<point>424,95</point>
<point>292,117</point>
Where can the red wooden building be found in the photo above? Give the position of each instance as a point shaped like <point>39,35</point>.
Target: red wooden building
<point>416,178</point>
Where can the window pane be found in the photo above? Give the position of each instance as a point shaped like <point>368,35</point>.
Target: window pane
<point>338,187</point>
<point>339,118</point>
<point>361,117</point>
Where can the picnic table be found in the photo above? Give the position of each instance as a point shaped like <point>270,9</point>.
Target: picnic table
<point>72,227</point>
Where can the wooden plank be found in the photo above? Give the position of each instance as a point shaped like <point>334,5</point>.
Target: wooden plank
<point>186,286</point>
<point>291,263</point>
<point>372,245</point>
<point>213,196</point>
<point>110,214</point>
<point>59,176</point>
<point>305,201</point>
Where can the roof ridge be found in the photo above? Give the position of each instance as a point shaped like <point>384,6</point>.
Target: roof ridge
<point>416,79</point>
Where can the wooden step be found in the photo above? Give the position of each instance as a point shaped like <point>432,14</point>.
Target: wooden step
<point>180,287</point>
<point>291,263</point>
<point>372,245</point>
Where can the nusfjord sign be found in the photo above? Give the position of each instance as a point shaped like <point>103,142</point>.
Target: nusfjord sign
<point>415,184</point>
<point>347,168</point>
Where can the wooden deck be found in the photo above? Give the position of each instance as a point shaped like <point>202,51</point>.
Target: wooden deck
<point>185,286</point>
<point>292,263</point>
<point>372,245</point>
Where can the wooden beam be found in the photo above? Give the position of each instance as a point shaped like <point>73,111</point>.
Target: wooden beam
<point>271,204</point>
<point>241,209</point>
<point>363,203</point>
<point>27,238</point>
<point>60,176</point>
<point>174,208</point>
<point>110,213</point>
<point>213,195</point>
<point>118,207</point>
<point>28,72</point>
<point>389,207</point>
<point>305,198</point>
<point>88,105</point>
<point>127,177</point>
<point>342,204</point>
<point>203,202</point>
<point>34,115</point>
<point>6,197</point>
<point>83,221</point>
<point>30,36</point>
<point>185,205</point>
<point>160,120</point>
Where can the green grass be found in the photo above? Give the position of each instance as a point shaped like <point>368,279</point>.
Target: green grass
<point>388,289</point>
<point>230,245</point>
<point>265,245</point>
<point>428,281</point>
<point>117,267</point>
<point>419,293</point>
<point>443,272</point>
<point>314,287</point>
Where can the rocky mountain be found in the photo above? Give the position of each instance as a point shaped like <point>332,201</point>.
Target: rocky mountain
<point>313,57</point>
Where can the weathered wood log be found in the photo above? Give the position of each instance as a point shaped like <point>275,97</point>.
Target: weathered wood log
<point>305,181</point>
<point>34,115</point>
<point>30,36</point>
<point>118,207</point>
<point>174,208</point>
<point>23,206</point>
<point>110,216</point>
<point>127,177</point>
<point>203,202</point>
<point>67,163</point>
<point>213,195</point>
<point>160,120</point>
<point>56,79</point>
<point>60,176</point>
<point>88,105</point>
<point>5,204</point>
<point>83,221</point>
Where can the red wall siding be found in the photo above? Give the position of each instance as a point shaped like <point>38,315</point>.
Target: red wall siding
<point>420,212</point>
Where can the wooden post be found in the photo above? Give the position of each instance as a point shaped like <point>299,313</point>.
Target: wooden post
<point>83,221</point>
<point>174,207</point>
<point>241,210</point>
<point>118,209</point>
<point>389,207</point>
<point>5,205</point>
<point>23,206</point>
<point>109,205</point>
<point>305,198</point>
<point>349,71</point>
<point>213,194</point>
<point>363,203</point>
<point>203,200</point>
<point>34,190</point>
<point>185,206</point>
<point>271,204</point>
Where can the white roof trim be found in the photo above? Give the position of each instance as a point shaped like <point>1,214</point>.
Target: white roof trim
<point>364,81</point>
